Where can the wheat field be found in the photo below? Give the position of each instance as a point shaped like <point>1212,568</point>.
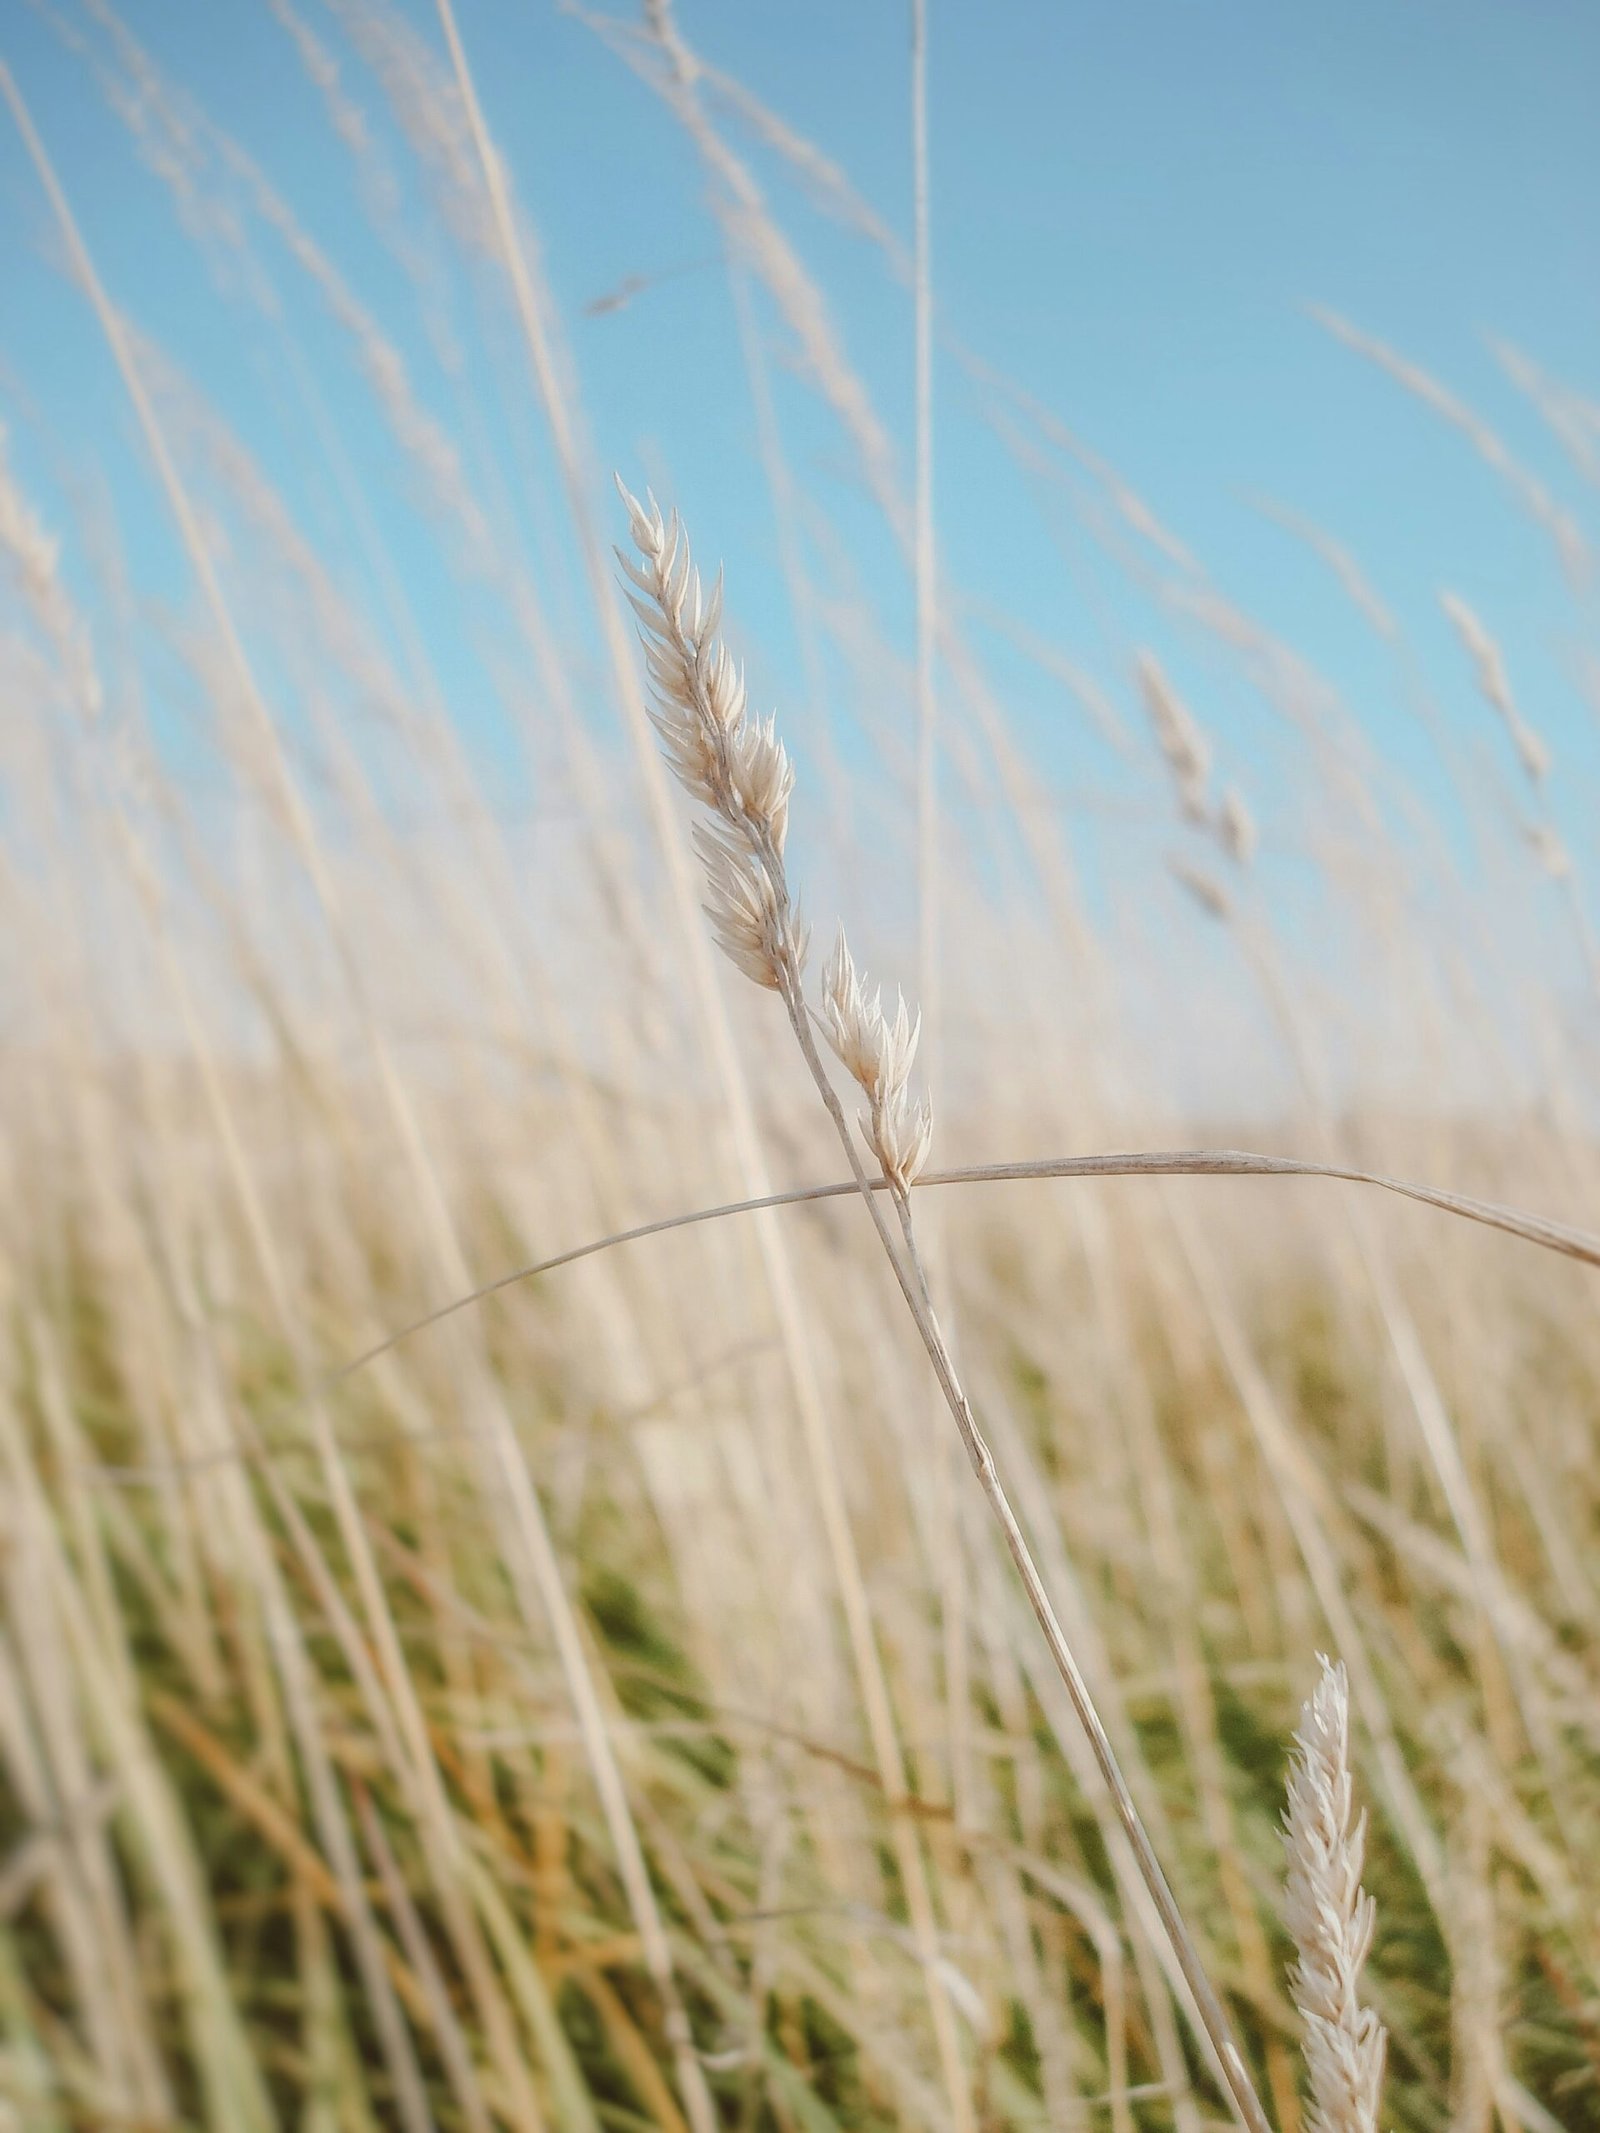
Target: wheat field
<point>518,1612</point>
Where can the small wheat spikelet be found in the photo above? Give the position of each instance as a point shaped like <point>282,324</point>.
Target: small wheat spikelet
<point>1330,1917</point>
<point>877,1052</point>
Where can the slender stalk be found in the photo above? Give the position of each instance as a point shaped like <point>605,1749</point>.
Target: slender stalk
<point>930,927</point>
<point>913,1287</point>
<point>1148,1163</point>
<point>929,944</point>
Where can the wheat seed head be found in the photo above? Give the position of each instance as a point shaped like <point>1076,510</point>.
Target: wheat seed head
<point>735,766</point>
<point>1330,1918</point>
<point>738,770</point>
<point>1494,684</point>
<point>1236,827</point>
<point>877,1051</point>
<point>1178,735</point>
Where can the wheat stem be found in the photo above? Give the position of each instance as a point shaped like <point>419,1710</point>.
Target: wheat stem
<point>1148,1163</point>
<point>909,1273</point>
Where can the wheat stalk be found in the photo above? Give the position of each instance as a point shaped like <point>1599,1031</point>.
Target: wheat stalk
<point>738,770</point>
<point>1330,1917</point>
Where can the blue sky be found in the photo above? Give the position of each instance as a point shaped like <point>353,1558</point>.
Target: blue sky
<point>1133,206</point>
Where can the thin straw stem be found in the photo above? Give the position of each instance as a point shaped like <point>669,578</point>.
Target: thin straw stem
<point>908,1272</point>
<point>1549,1236</point>
<point>928,988</point>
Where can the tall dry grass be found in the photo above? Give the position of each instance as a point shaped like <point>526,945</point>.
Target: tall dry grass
<point>606,1702</point>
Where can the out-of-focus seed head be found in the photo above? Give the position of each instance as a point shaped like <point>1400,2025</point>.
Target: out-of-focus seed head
<point>1236,827</point>
<point>1494,684</point>
<point>1330,1918</point>
<point>1178,735</point>
<point>1207,892</point>
<point>1550,850</point>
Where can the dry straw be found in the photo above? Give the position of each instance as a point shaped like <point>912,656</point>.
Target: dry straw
<point>196,1655</point>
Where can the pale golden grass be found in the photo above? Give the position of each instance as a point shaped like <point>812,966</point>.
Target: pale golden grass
<point>593,1707</point>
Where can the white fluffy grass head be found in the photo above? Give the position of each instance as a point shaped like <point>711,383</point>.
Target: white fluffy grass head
<point>877,1051</point>
<point>1330,1917</point>
<point>733,765</point>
